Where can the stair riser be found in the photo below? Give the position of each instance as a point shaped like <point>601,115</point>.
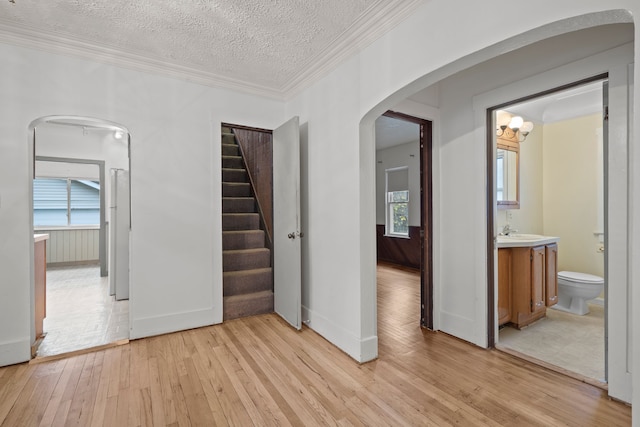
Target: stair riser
<point>248,282</point>
<point>240,222</point>
<point>244,261</point>
<point>232,162</point>
<point>236,190</point>
<point>235,175</point>
<point>230,150</point>
<point>234,310</point>
<point>245,205</point>
<point>234,241</point>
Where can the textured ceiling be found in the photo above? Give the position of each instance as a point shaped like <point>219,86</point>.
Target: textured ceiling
<point>260,43</point>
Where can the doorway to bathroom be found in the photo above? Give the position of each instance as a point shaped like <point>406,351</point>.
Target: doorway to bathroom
<point>547,162</point>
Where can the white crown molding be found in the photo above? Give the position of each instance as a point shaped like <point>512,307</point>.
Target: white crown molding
<point>379,19</point>
<point>52,43</point>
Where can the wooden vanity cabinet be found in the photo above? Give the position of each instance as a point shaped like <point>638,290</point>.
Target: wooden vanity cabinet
<point>527,283</point>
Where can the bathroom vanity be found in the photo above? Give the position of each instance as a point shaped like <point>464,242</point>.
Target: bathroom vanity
<point>527,278</point>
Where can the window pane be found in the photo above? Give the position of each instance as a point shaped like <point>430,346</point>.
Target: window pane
<point>400,218</point>
<point>399,196</point>
<point>85,203</point>
<point>49,202</point>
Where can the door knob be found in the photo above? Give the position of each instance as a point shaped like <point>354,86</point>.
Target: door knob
<point>291,235</point>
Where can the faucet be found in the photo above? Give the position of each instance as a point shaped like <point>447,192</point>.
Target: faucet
<point>507,230</point>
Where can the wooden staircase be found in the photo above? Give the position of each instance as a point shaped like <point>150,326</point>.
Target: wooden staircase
<point>247,272</point>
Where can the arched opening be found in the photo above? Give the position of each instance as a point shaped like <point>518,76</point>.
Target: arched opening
<point>80,216</point>
<point>460,161</point>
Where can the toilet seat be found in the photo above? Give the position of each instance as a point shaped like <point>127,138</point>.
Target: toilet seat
<point>573,277</point>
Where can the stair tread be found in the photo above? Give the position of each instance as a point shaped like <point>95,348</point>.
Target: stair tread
<point>240,213</point>
<point>252,231</point>
<point>235,183</point>
<point>251,250</point>
<point>247,272</point>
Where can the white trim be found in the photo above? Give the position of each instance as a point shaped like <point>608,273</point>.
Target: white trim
<point>52,43</point>
<point>12,352</point>
<point>375,22</point>
<point>362,350</point>
<point>70,227</point>
<point>158,325</point>
<point>398,236</point>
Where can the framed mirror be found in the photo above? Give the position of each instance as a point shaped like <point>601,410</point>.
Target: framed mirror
<point>508,174</point>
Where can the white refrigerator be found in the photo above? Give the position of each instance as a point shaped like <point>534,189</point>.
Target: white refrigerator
<point>119,227</point>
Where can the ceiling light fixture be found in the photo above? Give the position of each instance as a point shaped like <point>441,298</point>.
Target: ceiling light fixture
<point>512,127</point>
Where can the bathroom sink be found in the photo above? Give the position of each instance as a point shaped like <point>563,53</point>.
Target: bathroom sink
<point>522,236</point>
<point>523,240</point>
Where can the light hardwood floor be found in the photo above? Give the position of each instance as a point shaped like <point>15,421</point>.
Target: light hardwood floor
<point>258,371</point>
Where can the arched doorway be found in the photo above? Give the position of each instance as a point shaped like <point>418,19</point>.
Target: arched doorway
<point>459,221</point>
<point>81,219</point>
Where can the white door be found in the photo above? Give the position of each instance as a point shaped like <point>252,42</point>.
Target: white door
<point>287,273</point>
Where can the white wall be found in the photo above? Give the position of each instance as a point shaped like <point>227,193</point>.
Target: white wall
<point>394,157</point>
<point>339,294</point>
<point>172,146</point>
<point>175,180</point>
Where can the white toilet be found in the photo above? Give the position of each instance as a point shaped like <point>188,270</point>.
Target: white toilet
<point>575,289</point>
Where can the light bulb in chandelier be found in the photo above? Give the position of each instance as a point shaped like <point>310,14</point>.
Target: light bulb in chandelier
<point>515,123</point>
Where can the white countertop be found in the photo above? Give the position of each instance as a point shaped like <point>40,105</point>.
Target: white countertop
<point>40,237</point>
<point>524,240</point>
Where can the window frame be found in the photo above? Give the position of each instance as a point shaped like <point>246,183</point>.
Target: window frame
<point>390,203</point>
<point>69,208</point>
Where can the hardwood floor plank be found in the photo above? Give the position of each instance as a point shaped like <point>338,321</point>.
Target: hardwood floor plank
<point>202,363</point>
<point>156,399</point>
<point>290,390</point>
<point>260,371</point>
<point>11,385</point>
<point>268,411</point>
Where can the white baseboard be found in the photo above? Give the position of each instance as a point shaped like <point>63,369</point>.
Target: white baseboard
<point>459,327</point>
<point>159,325</point>
<point>362,350</point>
<point>13,352</point>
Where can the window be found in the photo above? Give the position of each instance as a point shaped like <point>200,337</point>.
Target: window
<point>64,202</point>
<point>397,212</point>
